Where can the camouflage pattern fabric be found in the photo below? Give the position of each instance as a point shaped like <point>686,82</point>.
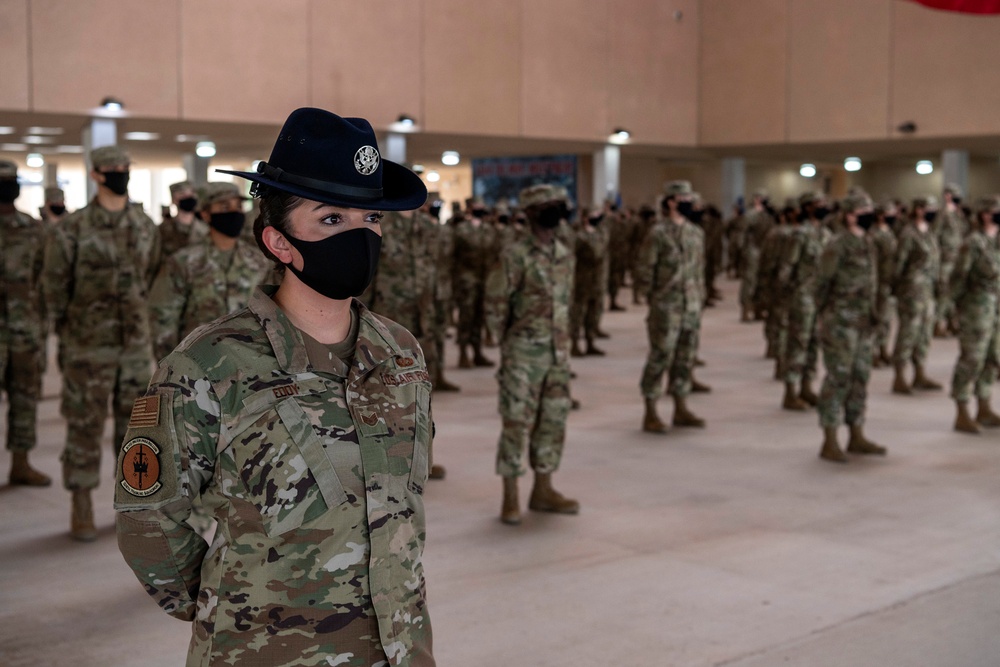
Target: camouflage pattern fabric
<point>714,230</point>
<point>884,241</point>
<point>845,299</point>
<point>770,294</point>
<point>473,247</point>
<point>735,230</point>
<point>316,479</point>
<point>527,310</point>
<point>175,235</point>
<point>444,302</point>
<point>619,231</point>
<point>797,277</point>
<point>950,229</point>
<point>915,280</point>
<point>672,265</point>
<point>590,280</point>
<point>975,284</point>
<point>201,283</point>
<point>98,268</point>
<point>758,224</point>
<point>22,325</point>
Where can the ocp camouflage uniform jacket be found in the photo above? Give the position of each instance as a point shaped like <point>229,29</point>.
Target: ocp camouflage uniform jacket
<point>672,265</point>
<point>756,226</point>
<point>847,282</point>
<point>769,290</point>
<point>199,284</point>
<point>915,275</point>
<point>98,268</point>
<point>976,278</point>
<point>528,296</point>
<point>591,254</point>
<point>950,229</point>
<point>800,255</point>
<point>174,236</point>
<point>884,241</point>
<point>22,312</point>
<point>407,271</point>
<point>315,479</point>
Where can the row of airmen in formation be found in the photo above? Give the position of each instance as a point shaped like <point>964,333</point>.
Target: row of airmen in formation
<point>117,287</point>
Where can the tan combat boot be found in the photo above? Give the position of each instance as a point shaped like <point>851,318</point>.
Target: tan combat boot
<point>651,421</point>
<point>699,387</point>
<point>964,422</point>
<point>830,451</point>
<point>792,401</point>
<point>921,381</point>
<point>770,353</point>
<point>480,361</point>
<point>510,512</point>
<point>684,417</point>
<point>22,474</point>
<point>986,416</point>
<point>593,351</point>
<point>940,329</point>
<point>82,519</point>
<point>883,353</point>
<point>899,383</point>
<point>876,360</point>
<point>463,357</point>
<point>437,472</point>
<point>574,349</point>
<point>439,383</point>
<point>806,393</point>
<point>859,444</point>
<point>546,499</point>
<point>745,314</point>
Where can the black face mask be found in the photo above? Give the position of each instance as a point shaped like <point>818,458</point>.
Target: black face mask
<point>435,212</point>
<point>930,216</point>
<point>697,215</point>
<point>685,208</point>
<point>116,181</point>
<point>187,204</point>
<point>549,217</point>
<point>822,212</point>
<point>9,191</point>
<point>996,217</point>
<point>866,220</point>
<point>479,213</point>
<point>956,200</point>
<point>503,219</point>
<point>57,209</point>
<point>229,223</point>
<point>802,216</point>
<point>595,220</point>
<point>890,220</point>
<point>340,266</point>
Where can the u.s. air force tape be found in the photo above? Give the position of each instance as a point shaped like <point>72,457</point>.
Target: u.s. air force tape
<point>140,467</point>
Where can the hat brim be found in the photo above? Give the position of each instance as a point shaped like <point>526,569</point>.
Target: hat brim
<point>402,190</point>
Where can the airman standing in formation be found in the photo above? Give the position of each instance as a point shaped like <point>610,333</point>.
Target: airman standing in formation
<point>527,306</point>
<point>208,279</point>
<point>672,267</point>
<point>473,247</point>
<point>99,264</point>
<point>759,221</point>
<point>185,227</point>
<point>950,228</point>
<point>23,326</point>
<point>768,295</point>
<point>975,287</point>
<point>846,287</point>
<point>591,240</point>
<point>884,241</point>
<point>54,207</point>
<point>619,229</point>
<point>715,231</point>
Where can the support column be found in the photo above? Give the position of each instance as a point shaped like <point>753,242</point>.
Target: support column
<point>607,174</point>
<point>196,168</point>
<point>100,132</point>
<point>394,148</point>
<point>734,182</point>
<point>50,177</point>
<point>955,166</point>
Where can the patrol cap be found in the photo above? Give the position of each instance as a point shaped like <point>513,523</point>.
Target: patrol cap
<point>537,195</point>
<point>677,188</point>
<point>218,191</point>
<point>182,186</point>
<point>8,169</point>
<point>696,198</point>
<point>988,203</point>
<point>53,194</point>
<point>954,189</point>
<point>109,156</point>
<point>855,202</point>
<point>929,201</point>
<point>809,197</point>
<point>760,192</point>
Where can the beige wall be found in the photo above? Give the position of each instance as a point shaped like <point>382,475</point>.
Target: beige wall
<point>14,54</point>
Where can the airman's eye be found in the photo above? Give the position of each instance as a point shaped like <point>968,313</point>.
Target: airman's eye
<point>376,218</point>
<point>332,219</point>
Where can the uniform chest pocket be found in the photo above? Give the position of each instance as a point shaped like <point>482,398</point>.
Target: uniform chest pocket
<point>402,429</point>
<point>285,470</point>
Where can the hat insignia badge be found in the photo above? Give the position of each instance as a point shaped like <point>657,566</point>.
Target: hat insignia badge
<point>366,160</point>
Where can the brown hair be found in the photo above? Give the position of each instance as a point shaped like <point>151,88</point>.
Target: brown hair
<point>275,207</point>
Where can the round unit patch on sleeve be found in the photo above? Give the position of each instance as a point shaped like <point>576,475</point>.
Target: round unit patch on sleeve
<point>141,467</point>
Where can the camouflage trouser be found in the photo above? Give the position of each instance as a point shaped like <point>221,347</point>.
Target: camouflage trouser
<point>776,328</point>
<point>884,306</point>
<point>916,322</point>
<point>90,377</point>
<point>748,284</point>
<point>847,355</point>
<point>469,299</point>
<point>585,313</point>
<point>978,359</point>
<point>801,346</point>
<point>673,345</point>
<point>945,306</point>
<point>534,404</point>
<point>616,276</point>
<point>21,374</point>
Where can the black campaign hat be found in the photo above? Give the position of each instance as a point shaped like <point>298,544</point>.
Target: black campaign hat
<point>321,156</point>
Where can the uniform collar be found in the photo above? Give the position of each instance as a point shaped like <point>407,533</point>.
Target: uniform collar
<point>375,345</point>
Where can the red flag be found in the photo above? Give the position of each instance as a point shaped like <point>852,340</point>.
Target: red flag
<point>964,6</point>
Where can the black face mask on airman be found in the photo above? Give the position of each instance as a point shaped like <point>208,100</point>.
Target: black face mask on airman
<point>340,266</point>
<point>229,223</point>
<point>930,216</point>
<point>9,191</point>
<point>549,217</point>
<point>116,181</point>
<point>57,209</point>
<point>866,220</point>
<point>188,204</point>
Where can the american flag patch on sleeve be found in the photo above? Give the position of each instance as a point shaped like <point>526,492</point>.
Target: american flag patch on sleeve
<point>145,412</point>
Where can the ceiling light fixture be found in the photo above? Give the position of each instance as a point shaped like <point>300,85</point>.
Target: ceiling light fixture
<point>48,131</point>
<point>433,177</point>
<point>450,158</point>
<point>852,164</point>
<point>35,160</point>
<point>142,136</point>
<point>925,167</point>
<point>205,149</point>
<point>7,129</point>
<point>112,104</point>
<point>807,170</point>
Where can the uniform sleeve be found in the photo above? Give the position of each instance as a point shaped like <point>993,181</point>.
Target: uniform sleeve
<point>496,301</point>
<point>645,269</point>
<point>959,277</point>
<point>829,262</point>
<point>167,297</point>
<point>790,255</point>
<point>167,459</point>
<point>57,273</point>
<point>155,254</point>
<point>902,259</point>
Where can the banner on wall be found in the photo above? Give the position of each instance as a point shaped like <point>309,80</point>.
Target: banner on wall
<point>963,6</point>
<point>500,179</point>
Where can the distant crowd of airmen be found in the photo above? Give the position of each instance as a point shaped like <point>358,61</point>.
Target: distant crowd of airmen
<point>121,291</point>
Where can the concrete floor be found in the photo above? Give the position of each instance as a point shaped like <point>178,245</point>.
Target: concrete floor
<point>732,545</point>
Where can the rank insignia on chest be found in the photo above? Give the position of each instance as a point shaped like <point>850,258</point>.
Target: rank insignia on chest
<point>405,362</point>
<point>140,468</point>
<point>369,418</point>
